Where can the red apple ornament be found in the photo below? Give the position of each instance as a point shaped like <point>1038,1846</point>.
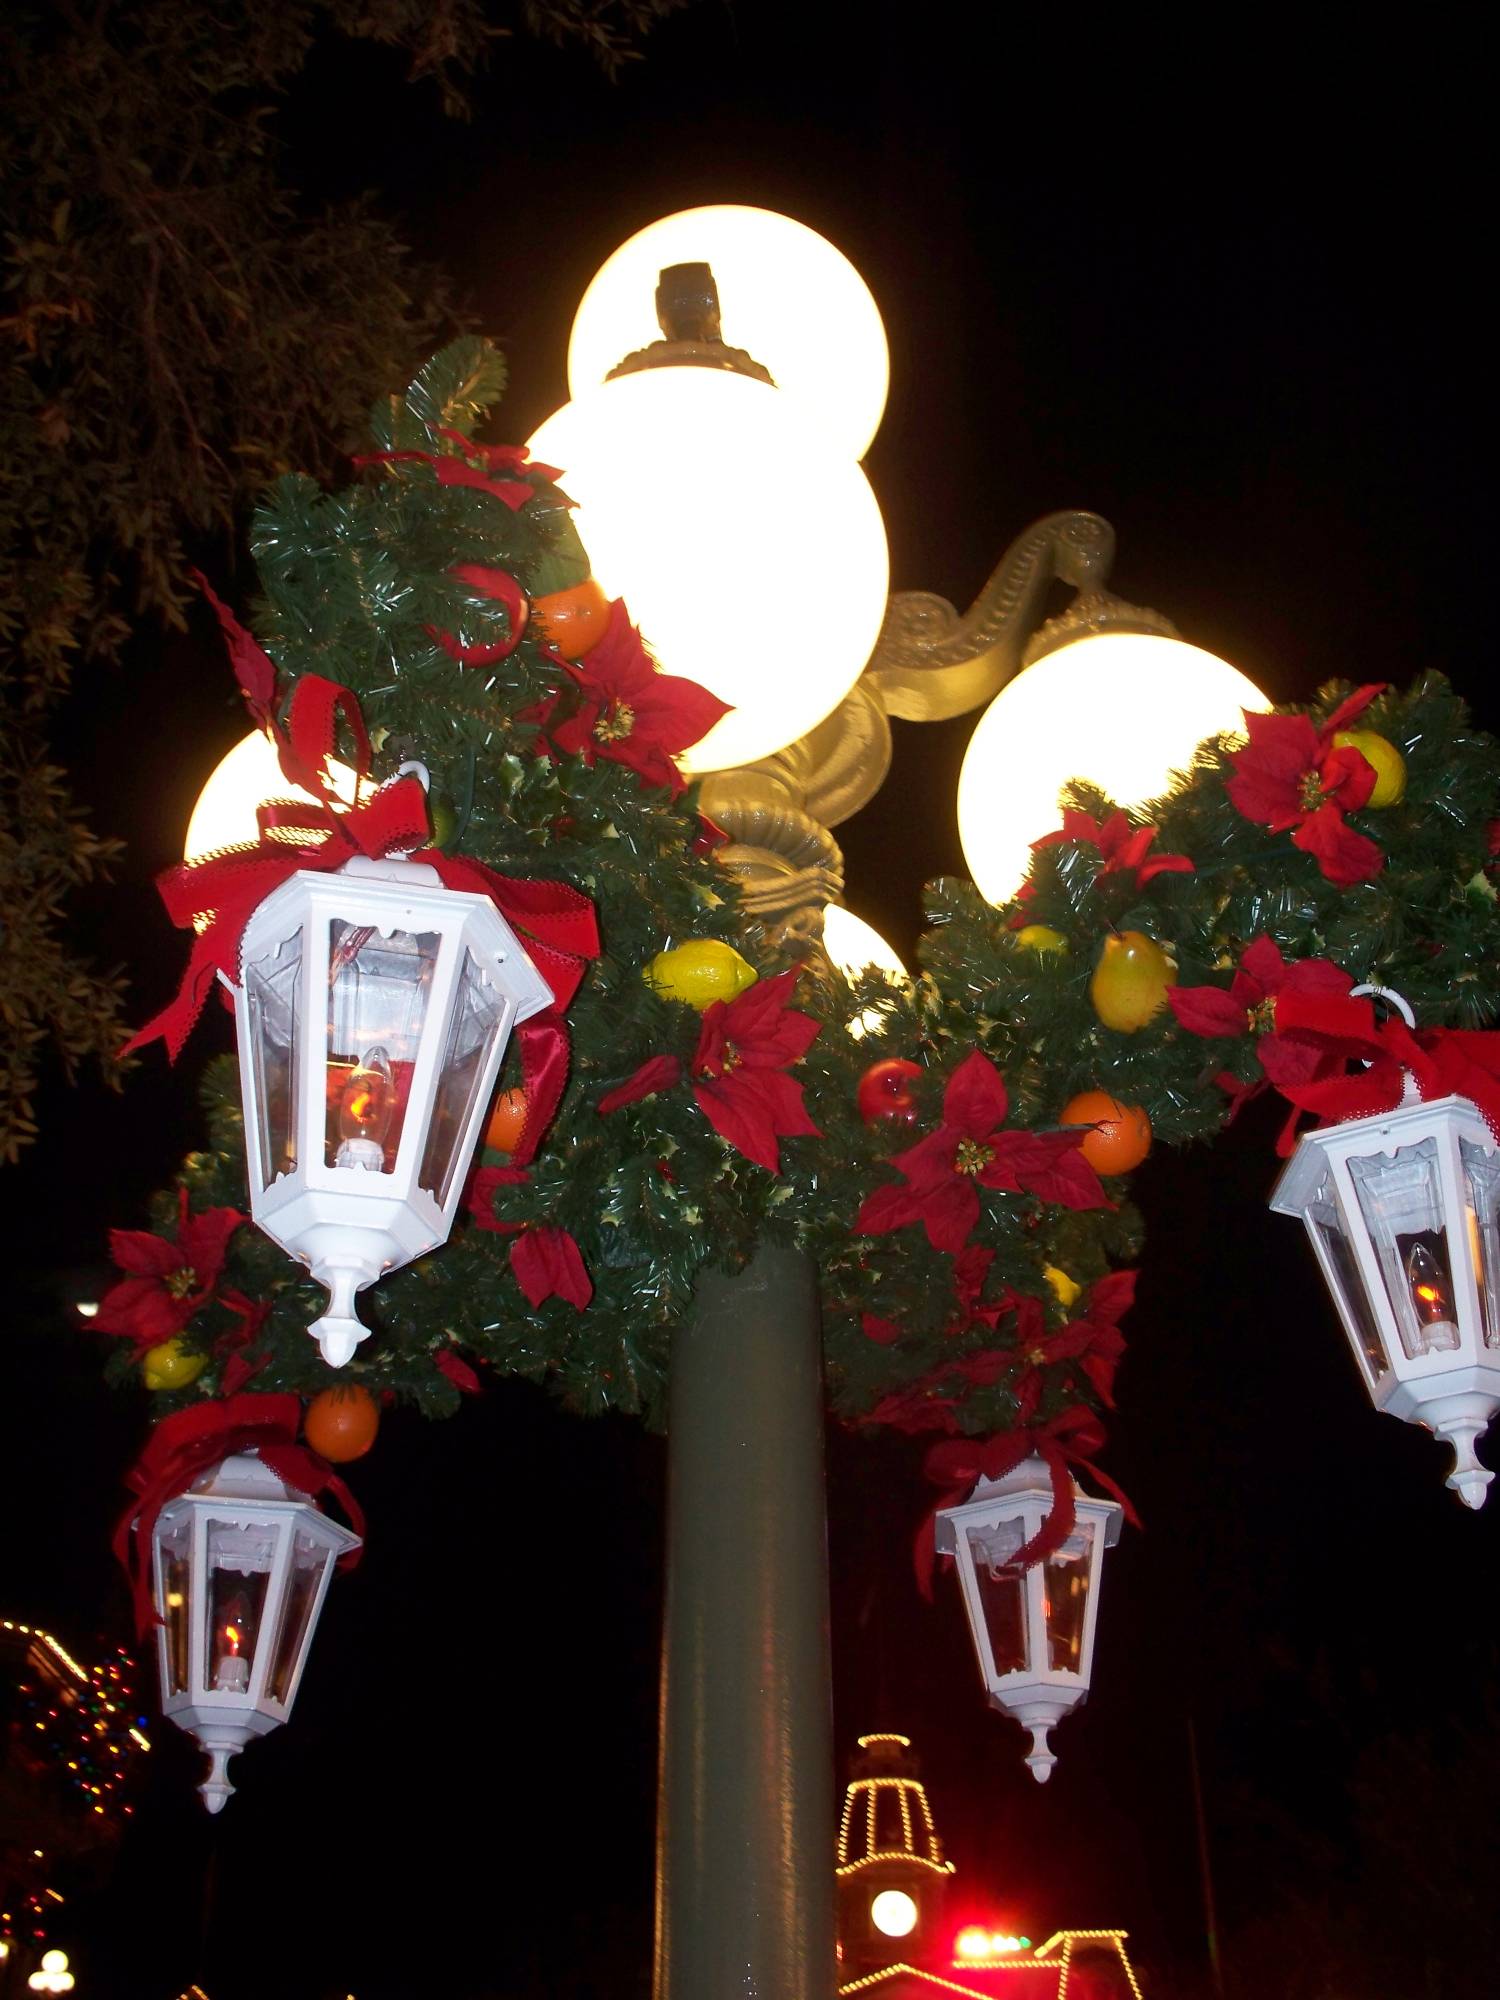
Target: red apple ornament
<point>885,1094</point>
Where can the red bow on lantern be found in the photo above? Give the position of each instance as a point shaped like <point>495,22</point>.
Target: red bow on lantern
<point>555,922</point>
<point>186,1444</point>
<point>1442,1062</point>
<point>1070,1438</point>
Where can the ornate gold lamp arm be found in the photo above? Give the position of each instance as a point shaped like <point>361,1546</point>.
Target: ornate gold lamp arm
<point>929,663</point>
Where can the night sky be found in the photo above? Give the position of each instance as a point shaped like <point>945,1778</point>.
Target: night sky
<point>1227,295</point>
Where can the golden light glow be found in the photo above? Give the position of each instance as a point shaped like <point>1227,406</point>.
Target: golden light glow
<point>1122,709</point>
<point>786,296</point>
<point>692,573</point>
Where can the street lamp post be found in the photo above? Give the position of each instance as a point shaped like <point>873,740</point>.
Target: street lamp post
<point>745,1885</point>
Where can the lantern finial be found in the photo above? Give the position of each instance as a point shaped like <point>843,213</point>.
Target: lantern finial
<point>1039,1757</point>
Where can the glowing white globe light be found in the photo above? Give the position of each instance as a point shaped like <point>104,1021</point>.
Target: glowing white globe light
<point>853,945</point>
<point>786,296</point>
<point>749,552</point>
<point>1121,709</point>
<point>894,1912</point>
<point>246,777</point>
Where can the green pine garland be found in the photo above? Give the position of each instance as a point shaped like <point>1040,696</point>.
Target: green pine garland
<point>357,585</point>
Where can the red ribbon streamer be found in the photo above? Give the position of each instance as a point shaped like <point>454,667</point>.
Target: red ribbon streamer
<point>186,1444</point>
<point>555,922</point>
<point>1070,1438</point>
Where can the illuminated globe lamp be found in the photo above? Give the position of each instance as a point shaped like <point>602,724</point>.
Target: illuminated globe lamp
<point>374,1010</point>
<point>240,1568</point>
<point>717,489</point>
<point>1403,1210</point>
<point>1033,1629</point>
<point>52,1975</point>
<point>1109,694</point>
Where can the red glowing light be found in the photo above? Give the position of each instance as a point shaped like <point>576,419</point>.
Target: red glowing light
<point>232,1634</point>
<point>975,1945</point>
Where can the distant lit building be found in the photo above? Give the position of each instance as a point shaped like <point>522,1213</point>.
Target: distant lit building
<point>894,1941</point>
<point>70,1743</point>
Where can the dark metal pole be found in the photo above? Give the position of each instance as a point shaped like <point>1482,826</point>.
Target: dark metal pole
<point>744,1845</point>
<point>1205,1870</point>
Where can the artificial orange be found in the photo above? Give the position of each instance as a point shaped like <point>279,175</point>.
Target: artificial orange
<point>1130,981</point>
<point>1121,1135</point>
<point>341,1422</point>
<point>573,619</point>
<point>507,1116</point>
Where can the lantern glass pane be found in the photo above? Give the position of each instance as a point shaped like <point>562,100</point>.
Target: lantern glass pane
<point>378,989</point>
<point>174,1544</point>
<point>240,1558</point>
<point>1066,1582</point>
<point>309,1560</point>
<point>272,986</point>
<point>1002,1592</point>
<point>1351,1293</point>
<point>1401,1198</point>
<point>1482,1183</point>
<point>478,1014</point>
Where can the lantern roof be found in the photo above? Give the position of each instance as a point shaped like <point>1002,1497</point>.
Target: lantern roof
<point>1301,1179</point>
<point>886,1815</point>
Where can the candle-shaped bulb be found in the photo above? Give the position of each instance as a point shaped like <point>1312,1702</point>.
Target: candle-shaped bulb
<point>1429,1285</point>
<point>366,1107</point>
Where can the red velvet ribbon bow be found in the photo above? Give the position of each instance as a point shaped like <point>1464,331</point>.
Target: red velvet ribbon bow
<point>1442,1062</point>
<point>555,922</point>
<point>1068,1439</point>
<point>186,1444</point>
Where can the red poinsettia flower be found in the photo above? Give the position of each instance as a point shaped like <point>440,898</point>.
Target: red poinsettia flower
<point>945,1171</point>
<point>1249,1007</point>
<point>239,1367</point>
<point>1124,847</point>
<point>1290,775</point>
<point>745,1049</point>
<point>167,1282</point>
<point>1093,1340</point>
<point>547,1263</point>
<point>630,712</point>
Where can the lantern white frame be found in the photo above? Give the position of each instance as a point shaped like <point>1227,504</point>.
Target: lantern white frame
<point>1453,1390</point>
<point>244,1498</point>
<point>351,1223</point>
<point>1037,1694</point>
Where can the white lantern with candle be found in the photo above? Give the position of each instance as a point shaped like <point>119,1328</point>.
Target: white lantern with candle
<point>240,1567</point>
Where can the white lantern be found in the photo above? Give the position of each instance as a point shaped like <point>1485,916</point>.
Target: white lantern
<point>1123,710</point>
<point>240,1567</point>
<point>1033,1629</point>
<point>1403,1209</point>
<point>373,1012</point>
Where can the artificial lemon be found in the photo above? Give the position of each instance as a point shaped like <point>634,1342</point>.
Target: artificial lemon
<point>1120,1137</point>
<point>170,1365</point>
<point>1130,981</point>
<point>1388,763</point>
<point>1041,937</point>
<point>700,971</point>
<point>1066,1288</point>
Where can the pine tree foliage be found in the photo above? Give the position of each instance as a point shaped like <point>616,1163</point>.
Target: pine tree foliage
<point>178,326</point>
<point>360,586</point>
